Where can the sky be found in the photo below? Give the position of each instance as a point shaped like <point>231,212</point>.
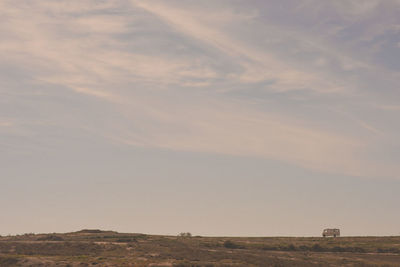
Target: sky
<point>219,118</point>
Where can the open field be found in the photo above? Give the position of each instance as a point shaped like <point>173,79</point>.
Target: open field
<point>108,248</point>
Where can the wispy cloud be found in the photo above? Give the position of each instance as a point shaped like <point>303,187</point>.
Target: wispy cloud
<point>168,70</point>
<point>228,129</point>
<point>5,123</point>
<point>258,65</point>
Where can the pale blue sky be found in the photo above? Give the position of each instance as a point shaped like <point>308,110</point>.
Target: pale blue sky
<point>213,117</point>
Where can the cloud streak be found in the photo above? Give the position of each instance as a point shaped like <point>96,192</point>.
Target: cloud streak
<point>191,78</point>
<point>258,66</point>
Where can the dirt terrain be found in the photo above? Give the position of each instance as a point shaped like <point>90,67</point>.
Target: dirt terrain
<point>109,248</point>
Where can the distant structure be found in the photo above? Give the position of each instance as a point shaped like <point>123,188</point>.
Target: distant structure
<point>331,232</point>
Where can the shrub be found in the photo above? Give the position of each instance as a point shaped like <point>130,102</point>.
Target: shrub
<point>304,248</point>
<point>8,261</point>
<point>91,231</point>
<point>231,245</point>
<point>317,248</point>
<point>269,248</point>
<point>358,250</point>
<point>50,238</point>
<point>185,234</point>
<point>388,250</point>
<point>126,239</point>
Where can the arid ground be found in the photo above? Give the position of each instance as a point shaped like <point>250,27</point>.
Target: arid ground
<point>109,248</point>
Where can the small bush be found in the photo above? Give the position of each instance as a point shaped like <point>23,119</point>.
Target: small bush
<point>358,250</point>
<point>317,248</point>
<point>304,248</point>
<point>50,238</point>
<point>269,248</point>
<point>8,261</point>
<point>231,245</point>
<point>185,234</point>
<point>91,231</point>
<point>126,240</point>
<point>388,250</point>
<point>348,249</point>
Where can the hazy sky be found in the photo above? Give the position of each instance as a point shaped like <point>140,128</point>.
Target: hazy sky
<point>239,117</point>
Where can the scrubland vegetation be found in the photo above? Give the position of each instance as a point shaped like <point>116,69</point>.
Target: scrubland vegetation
<point>109,248</point>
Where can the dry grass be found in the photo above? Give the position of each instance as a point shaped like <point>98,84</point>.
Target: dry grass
<point>108,248</point>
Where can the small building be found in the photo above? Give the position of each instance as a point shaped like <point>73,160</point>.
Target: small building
<point>331,232</point>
